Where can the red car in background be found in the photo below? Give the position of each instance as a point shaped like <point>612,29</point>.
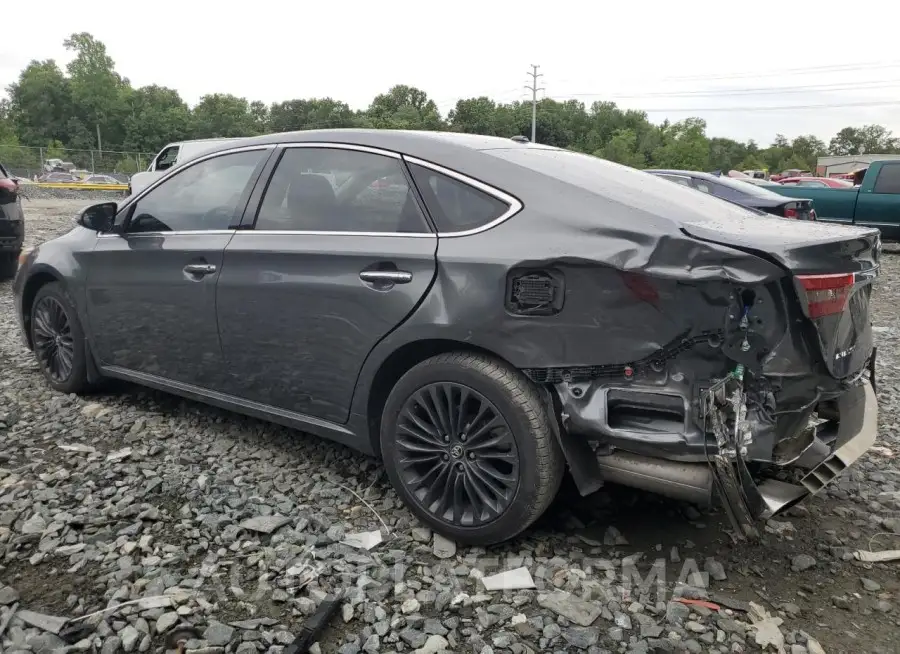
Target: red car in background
<point>820,182</point>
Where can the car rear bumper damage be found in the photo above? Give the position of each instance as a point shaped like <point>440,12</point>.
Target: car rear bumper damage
<point>715,462</point>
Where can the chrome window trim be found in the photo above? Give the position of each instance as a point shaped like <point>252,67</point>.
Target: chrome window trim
<point>285,232</point>
<point>192,162</point>
<point>515,205</point>
<point>342,146</point>
<point>185,232</point>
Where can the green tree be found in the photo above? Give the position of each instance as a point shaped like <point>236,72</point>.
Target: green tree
<point>156,115</point>
<point>808,148</point>
<point>405,107</point>
<point>314,113</point>
<point>40,103</point>
<point>685,145</point>
<point>221,115</point>
<point>868,139</point>
<point>725,154</point>
<point>476,116</point>
<point>623,148</point>
<point>98,92</point>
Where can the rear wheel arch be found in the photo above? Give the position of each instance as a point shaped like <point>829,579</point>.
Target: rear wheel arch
<point>34,284</point>
<point>399,363</point>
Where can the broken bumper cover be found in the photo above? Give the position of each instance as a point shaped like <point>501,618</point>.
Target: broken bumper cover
<point>857,431</point>
<point>745,501</point>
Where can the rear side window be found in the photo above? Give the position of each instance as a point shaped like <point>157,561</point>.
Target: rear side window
<point>339,190</point>
<point>888,179</point>
<point>455,205</point>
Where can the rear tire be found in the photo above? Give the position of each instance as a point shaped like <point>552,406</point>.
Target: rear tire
<point>468,445</point>
<point>9,263</point>
<point>58,339</point>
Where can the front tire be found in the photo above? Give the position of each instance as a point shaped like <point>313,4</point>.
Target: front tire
<point>468,445</point>
<point>9,263</point>
<point>58,339</point>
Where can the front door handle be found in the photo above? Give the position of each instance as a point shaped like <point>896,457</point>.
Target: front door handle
<point>386,276</point>
<point>200,269</point>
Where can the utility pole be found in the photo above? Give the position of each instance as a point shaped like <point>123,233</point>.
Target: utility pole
<point>534,88</point>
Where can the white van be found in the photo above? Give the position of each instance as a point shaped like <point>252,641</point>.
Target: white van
<point>169,156</point>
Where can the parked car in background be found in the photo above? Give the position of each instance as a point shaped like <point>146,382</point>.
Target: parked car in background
<point>12,224</point>
<point>100,179</point>
<point>816,182</point>
<point>875,203</point>
<point>168,157</point>
<point>765,183</point>
<point>516,309</point>
<point>59,178</point>
<point>741,191</point>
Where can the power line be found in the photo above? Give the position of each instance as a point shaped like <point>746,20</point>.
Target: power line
<point>765,90</point>
<point>791,71</point>
<point>884,103</point>
<point>534,89</point>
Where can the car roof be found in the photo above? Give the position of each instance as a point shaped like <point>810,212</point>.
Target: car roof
<point>412,142</point>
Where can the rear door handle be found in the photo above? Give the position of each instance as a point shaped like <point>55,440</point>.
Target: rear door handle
<point>200,269</point>
<point>386,276</point>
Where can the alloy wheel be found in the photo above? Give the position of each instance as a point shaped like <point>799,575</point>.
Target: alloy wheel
<point>53,341</point>
<point>456,454</point>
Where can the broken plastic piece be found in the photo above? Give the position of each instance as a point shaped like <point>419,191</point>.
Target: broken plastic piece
<point>516,579</point>
<point>696,602</point>
<point>877,557</point>
<point>364,540</point>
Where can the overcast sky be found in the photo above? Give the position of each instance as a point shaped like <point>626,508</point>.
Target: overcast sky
<point>274,50</point>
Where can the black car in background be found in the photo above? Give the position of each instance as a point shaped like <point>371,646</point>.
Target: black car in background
<point>12,224</point>
<point>481,313</point>
<point>742,193</point>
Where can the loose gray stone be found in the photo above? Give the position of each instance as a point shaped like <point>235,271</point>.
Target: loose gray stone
<point>802,562</point>
<point>264,524</point>
<point>8,595</point>
<point>218,634</point>
<point>130,638</point>
<point>581,637</point>
<point>166,621</point>
<point>570,607</point>
<point>443,548</point>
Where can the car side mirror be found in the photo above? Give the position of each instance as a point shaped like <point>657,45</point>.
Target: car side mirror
<point>98,217</point>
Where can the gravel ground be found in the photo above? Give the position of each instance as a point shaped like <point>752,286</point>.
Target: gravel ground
<point>134,494</point>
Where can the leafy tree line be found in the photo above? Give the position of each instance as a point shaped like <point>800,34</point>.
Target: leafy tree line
<point>90,106</point>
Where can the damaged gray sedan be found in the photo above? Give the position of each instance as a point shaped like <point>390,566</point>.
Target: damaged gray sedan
<point>483,314</point>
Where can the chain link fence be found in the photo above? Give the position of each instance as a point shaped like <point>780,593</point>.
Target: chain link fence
<point>31,162</point>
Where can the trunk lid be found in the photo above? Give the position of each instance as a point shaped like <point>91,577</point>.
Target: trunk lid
<point>832,270</point>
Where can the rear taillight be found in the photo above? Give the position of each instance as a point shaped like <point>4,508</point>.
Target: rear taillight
<point>790,211</point>
<point>812,214</point>
<point>8,185</point>
<point>826,295</point>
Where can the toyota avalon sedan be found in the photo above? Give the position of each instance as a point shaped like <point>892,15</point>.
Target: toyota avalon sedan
<point>483,314</point>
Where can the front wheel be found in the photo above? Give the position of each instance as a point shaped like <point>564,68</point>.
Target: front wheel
<point>58,339</point>
<point>469,446</point>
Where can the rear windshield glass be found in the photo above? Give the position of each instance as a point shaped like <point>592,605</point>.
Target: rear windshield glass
<point>746,188</point>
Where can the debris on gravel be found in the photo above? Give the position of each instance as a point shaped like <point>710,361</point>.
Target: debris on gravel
<point>132,516</point>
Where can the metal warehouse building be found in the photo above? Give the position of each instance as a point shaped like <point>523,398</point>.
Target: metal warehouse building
<point>827,166</point>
